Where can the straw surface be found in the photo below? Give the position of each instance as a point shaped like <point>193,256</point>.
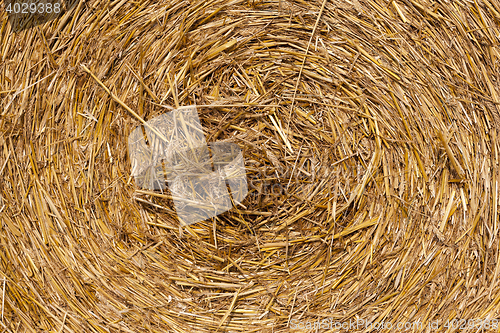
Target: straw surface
<point>370,136</point>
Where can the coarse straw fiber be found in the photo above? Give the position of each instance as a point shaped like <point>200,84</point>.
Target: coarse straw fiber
<point>370,133</point>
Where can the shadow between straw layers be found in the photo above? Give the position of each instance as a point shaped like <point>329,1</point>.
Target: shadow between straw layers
<point>377,120</point>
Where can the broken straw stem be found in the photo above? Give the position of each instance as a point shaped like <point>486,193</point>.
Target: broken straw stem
<point>453,160</point>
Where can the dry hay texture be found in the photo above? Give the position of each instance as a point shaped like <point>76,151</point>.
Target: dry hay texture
<point>370,135</point>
